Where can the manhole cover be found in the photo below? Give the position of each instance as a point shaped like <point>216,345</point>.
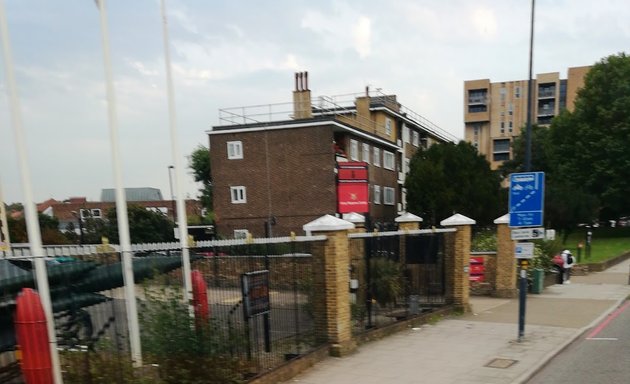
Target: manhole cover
<point>501,363</point>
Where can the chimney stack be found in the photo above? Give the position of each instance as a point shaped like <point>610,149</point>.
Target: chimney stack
<point>302,108</point>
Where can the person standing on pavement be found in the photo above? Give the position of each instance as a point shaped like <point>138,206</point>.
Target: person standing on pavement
<point>568,261</point>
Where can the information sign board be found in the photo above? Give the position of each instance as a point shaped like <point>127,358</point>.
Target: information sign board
<point>527,192</point>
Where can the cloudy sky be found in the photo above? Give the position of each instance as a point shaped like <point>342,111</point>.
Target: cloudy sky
<point>237,53</point>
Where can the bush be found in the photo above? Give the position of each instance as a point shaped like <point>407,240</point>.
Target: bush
<point>186,352</point>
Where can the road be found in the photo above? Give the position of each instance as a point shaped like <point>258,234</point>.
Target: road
<point>599,356</point>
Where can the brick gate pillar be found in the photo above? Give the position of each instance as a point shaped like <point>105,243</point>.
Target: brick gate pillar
<point>331,277</point>
<point>457,260</point>
<point>408,221</point>
<point>505,272</point>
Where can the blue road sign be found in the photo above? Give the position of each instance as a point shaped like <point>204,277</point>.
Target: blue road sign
<point>527,192</point>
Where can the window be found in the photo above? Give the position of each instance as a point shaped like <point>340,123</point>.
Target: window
<point>235,150</point>
<point>238,195</point>
<point>377,194</point>
<point>366,152</point>
<point>510,126</point>
<point>97,214</point>
<point>388,196</point>
<point>501,150</point>
<point>502,93</point>
<point>414,138</point>
<point>354,150</point>
<point>388,160</point>
<point>241,233</point>
<point>388,126</point>
<point>517,92</point>
<point>510,109</point>
<point>405,134</point>
<point>377,157</point>
<point>85,213</point>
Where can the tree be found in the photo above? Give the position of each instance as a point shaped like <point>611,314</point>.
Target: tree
<point>591,142</point>
<point>144,226</point>
<point>452,178</point>
<point>48,226</point>
<point>199,162</point>
<point>566,203</point>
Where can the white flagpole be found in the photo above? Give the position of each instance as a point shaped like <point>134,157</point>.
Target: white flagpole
<point>182,220</point>
<point>32,223</point>
<point>121,202</point>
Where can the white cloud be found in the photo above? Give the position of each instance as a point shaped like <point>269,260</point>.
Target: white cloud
<point>142,69</point>
<point>485,22</point>
<point>362,34</point>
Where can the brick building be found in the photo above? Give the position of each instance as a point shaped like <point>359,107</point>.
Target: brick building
<point>69,210</point>
<point>274,168</point>
<point>495,113</point>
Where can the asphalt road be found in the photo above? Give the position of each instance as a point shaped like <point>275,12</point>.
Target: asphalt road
<point>601,355</point>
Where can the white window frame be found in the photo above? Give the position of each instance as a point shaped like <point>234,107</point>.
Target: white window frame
<point>406,134</point>
<point>241,233</point>
<point>517,92</point>
<point>366,153</point>
<point>415,138</point>
<point>354,150</point>
<point>238,194</point>
<point>389,161</point>
<point>389,197</point>
<point>388,126</point>
<point>235,150</point>
<point>377,157</point>
<point>377,194</point>
<point>97,213</point>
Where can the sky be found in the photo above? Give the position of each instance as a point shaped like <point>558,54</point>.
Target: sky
<point>234,53</point>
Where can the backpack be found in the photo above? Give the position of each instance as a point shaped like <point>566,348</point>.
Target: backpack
<point>570,259</point>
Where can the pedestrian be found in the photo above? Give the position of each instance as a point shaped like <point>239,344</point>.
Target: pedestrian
<point>568,260</point>
<point>558,266</point>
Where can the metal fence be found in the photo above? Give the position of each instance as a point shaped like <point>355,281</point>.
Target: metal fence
<point>396,275</point>
<point>257,312</point>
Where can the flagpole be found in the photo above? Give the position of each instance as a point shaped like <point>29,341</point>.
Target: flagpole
<point>121,202</point>
<point>182,220</point>
<point>32,223</point>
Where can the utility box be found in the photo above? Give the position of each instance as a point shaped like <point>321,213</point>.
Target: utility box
<point>538,279</point>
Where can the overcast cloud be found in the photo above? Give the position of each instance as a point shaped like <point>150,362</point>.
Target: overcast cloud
<point>238,53</point>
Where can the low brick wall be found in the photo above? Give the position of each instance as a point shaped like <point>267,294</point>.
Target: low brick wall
<point>598,267</point>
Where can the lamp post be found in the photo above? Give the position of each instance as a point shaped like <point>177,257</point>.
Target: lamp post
<point>78,216</point>
<point>170,183</point>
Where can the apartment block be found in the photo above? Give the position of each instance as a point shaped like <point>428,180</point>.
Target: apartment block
<point>275,167</point>
<point>495,113</point>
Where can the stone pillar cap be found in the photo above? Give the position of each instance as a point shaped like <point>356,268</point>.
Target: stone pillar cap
<point>327,223</point>
<point>408,218</point>
<point>505,219</point>
<point>457,219</point>
<point>354,217</point>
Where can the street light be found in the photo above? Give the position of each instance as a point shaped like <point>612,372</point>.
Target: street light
<point>170,183</point>
<point>78,216</point>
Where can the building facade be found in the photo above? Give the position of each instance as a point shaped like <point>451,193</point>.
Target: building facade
<point>495,113</point>
<point>273,170</point>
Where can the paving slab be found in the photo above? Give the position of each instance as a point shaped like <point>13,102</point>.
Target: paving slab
<point>481,347</point>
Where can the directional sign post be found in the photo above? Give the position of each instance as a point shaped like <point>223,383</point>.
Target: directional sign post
<point>527,192</point>
<point>526,205</point>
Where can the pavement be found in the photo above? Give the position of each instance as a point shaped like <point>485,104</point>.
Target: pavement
<point>482,347</point>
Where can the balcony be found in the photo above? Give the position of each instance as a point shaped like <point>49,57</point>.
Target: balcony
<point>546,93</point>
<point>477,100</point>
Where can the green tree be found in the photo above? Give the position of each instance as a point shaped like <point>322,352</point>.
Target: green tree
<point>452,178</point>
<point>199,162</point>
<point>48,227</point>
<point>566,203</point>
<point>144,226</point>
<point>591,142</point>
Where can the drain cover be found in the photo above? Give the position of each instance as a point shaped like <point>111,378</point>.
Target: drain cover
<point>501,363</point>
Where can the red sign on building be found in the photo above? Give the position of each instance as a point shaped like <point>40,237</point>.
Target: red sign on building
<point>352,187</point>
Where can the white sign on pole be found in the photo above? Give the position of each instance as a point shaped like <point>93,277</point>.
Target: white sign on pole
<point>524,250</point>
<point>528,233</point>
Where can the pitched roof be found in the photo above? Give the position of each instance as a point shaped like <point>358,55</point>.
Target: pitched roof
<point>133,194</point>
